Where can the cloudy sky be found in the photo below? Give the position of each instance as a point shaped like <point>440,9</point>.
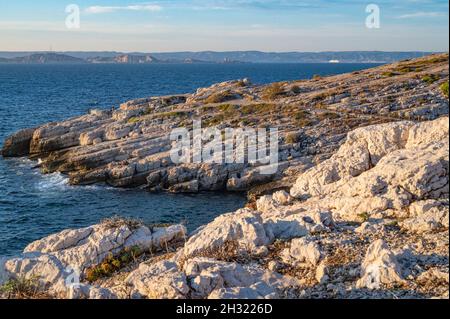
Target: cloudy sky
<point>224,25</point>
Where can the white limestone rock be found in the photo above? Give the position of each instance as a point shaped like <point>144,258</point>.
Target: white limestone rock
<point>380,267</point>
<point>213,279</point>
<point>322,273</point>
<point>381,168</point>
<point>302,251</point>
<point>266,204</point>
<point>59,259</point>
<point>371,227</point>
<point>426,217</point>
<point>363,149</point>
<point>244,227</point>
<point>297,221</point>
<point>162,280</point>
<point>282,198</point>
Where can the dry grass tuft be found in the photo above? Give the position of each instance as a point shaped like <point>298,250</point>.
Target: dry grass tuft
<point>23,288</point>
<point>117,222</point>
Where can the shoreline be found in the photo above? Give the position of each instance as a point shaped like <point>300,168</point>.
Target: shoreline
<point>365,215</point>
<point>261,253</point>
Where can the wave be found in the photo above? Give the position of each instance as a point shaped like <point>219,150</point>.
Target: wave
<point>53,181</point>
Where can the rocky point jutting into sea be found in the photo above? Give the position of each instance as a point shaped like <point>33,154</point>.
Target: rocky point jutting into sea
<point>358,208</point>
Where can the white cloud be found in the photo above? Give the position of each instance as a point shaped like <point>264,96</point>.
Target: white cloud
<point>421,14</point>
<point>109,9</point>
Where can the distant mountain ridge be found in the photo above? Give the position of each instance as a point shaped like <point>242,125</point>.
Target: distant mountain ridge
<point>209,57</point>
<point>44,58</point>
<point>54,58</point>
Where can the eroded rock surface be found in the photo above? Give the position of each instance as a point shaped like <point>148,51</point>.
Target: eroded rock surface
<point>366,216</point>
<point>60,260</point>
<point>130,146</point>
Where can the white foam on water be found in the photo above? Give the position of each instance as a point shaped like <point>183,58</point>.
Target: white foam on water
<point>55,181</point>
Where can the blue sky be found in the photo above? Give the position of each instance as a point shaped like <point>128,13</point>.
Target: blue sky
<point>224,25</point>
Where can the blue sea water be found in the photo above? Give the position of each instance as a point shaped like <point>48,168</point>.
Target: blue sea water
<point>34,205</point>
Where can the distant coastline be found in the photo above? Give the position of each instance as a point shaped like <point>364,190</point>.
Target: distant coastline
<point>233,57</point>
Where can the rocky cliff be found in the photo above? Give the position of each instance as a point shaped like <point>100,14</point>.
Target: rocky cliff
<point>129,146</point>
<point>371,221</point>
<point>366,214</point>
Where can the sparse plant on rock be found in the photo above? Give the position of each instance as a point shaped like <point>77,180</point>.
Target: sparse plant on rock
<point>117,222</point>
<point>22,288</point>
<point>273,91</point>
<point>444,89</point>
<point>430,78</point>
<point>220,97</point>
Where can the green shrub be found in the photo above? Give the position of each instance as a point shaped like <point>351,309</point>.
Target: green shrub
<point>388,74</point>
<point>364,217</point>
<point>317,77</point>
<point>113,264</point>
<point>430,78</point>
<point>444,88</point>
<point>133,120</point>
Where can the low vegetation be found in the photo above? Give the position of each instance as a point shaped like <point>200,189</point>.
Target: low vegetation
<point>112,264</point>
<point>293,138</point>
<point>444,88</point>
<point>258,108</point>
<point>273,92</point>
<point>363,217</point>
<point>296,89</point>
<point>22,288</point>
<point>117,222</point>
<point>430,78</point>
<point>220,97</point>
<point>327,116</point>
<point>388,74</point>
<point>302,118</point>
<point>134,120</point>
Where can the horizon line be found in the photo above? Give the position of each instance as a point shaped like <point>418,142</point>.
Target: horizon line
<point>227,51</point>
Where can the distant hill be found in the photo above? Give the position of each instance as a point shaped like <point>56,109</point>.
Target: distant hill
<point>210,57</point>
<point>293,57</point>
<point>44,58</point>
<point>125,59</point>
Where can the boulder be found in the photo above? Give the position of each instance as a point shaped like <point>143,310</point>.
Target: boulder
<point>302,251</point>
<point>244,227</point>
<point>162,280</point>
<point>187,187</point>
<point>380,267</point>
<point>426,217</point>
<point>282,198</point>
<point>217,279</point>
<point>18,144</point>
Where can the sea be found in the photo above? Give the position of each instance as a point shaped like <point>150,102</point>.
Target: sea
<point>33,205</point>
